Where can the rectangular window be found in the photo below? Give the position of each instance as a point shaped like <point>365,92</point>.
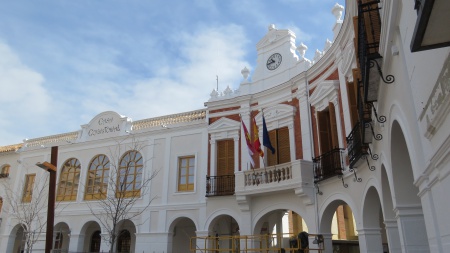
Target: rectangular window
<point>186,167</point>
<point>1,204</point>
<point>28,188</point>
<point>279,138</point>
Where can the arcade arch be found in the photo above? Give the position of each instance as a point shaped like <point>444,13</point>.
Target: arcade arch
<point>91,232</point>
<point>406,203</point>
<point>180,233</point>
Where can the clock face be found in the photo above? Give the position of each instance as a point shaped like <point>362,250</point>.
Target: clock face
<point>274,61</point>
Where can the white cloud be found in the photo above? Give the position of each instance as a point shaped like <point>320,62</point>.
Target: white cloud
<point>183,83</point>
<point>23,97</point>
<point>207,52</point>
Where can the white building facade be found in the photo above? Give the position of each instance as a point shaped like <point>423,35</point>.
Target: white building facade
<point>361,136</point>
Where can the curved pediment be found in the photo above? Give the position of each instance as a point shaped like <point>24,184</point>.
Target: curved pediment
<point>224,124</point>
<point>105,125</point>
<point>326,92</point>
<point>275,113</point>
<point>274,36</point>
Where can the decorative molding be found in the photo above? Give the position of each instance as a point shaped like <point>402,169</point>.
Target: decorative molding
<point>277,116</point>
<point>326,92</point>
<point>437,107</point>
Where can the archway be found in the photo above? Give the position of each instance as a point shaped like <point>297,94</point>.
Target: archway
<point>16,242</point>
<point>126,237</point>
<point>182,230</point>
<point>372,234</point>
<point>279,229</point>
<point>338,227</point>
<point>390,221</point>
<point>407,204</point>
<point>223,228</point>
<point>91,232</point>
<point>61,238</point>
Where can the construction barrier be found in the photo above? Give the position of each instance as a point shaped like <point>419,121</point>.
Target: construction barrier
<point>270,243</point>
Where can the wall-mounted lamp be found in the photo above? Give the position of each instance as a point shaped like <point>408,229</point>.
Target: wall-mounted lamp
<point>46,166</point>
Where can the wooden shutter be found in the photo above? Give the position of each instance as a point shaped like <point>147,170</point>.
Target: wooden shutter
<point>351,95</point>
<point>272,158</point>
<point>324,133</point>
<point>284,147</point>
<point>279,139</point>
<point>225,157</point>
<point>333,126</point>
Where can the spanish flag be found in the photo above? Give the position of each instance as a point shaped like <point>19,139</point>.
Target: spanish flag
<point>256,143</point>
<point>249,144</point>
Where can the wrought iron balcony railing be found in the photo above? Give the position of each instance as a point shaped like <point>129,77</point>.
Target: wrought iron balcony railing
<point>370,61</point>
<point>355,145</point>
<point>220,185</point>
<point>4,175</point>
<point>329,164</point>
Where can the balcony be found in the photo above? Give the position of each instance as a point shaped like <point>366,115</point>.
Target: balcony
<point>368,42</point>
<point>328,165</point>
<point>219,185</point>
<point>4,175</point>
<point>283,177</point>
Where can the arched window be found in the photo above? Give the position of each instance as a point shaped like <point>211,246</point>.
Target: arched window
<point>130,175</point>
<point>5,171</point>
<point>124,242</point>
<point>96,239</point>
<point>97,178</point>
<point>69,180</point>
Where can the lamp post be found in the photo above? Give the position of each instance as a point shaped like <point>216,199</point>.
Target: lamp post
<point>51,168</point>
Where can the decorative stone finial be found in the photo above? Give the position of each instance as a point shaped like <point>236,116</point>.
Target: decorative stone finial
<point>271,27</point>
<point>214,94</point>
<point>328,44</point>
<point>317,55</point>
<point>228,91</point>
<point>245,72</point>
<point>301,49</point>
<point>337,11</point>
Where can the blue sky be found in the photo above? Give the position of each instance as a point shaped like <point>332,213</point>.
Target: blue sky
<point>63,62</point>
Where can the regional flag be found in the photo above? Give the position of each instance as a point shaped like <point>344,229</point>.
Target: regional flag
<point>249,144</point>
<point>256,143</point>
<point>266,138</point>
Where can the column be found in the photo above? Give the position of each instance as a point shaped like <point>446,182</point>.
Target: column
<point>202,242</point>
<point>305,122</point>
<point>338,121</point>
<point>76,242</point>
<point>236,154</point>
<point>291,141</point>
<point>213,160</point>
<point>245,228</point>
<point>411,224</point>
<point>392,235</point>
<point>327,244</point>
<point>370,240</point>
<point>245,160</point>
<point>343,92</point>
<point>104,244</point>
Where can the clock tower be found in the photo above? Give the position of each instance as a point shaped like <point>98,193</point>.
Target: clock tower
<point>277,61</point>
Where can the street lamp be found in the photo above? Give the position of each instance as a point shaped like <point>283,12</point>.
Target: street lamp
<point>51,168</point>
